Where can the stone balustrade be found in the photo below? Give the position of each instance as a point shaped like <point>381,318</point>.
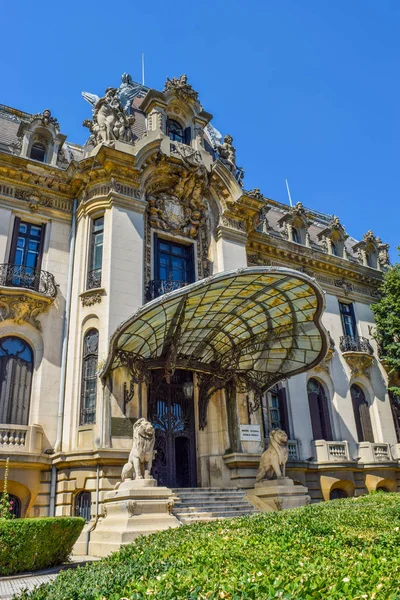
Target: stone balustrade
<point>293,448</point>
<point>21,438</point>
<point>370,452</point>
<point>324,451</point>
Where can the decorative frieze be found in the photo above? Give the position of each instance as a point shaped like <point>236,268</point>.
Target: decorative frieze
<point>34,199</point>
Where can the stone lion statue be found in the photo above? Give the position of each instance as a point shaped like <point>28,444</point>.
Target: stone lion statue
<point>274,459</point>
<point>141,455</point>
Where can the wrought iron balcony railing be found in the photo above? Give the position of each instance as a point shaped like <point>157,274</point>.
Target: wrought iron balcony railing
<point>18,276</point>
<point>158,287</point>
<point>355,344</point>
<point>94,279</point>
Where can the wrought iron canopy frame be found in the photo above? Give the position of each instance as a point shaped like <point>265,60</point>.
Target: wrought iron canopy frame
<point>254,326</point>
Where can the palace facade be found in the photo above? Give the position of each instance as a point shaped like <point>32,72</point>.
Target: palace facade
<point>90,235</point>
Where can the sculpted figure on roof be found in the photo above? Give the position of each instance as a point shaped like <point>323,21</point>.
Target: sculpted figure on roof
<point>109,120</point>
<point>181,88</point>
<point>227,153</point>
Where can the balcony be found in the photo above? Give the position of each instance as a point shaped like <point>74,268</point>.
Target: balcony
<point>21,438</point>
<point>357,352</point>
<point>17,276</point>
<point>325,452</point>
<point>369,452</point>
<point>159,287</point>
<point>94,279</point>
<point>25,293</point>
<point>355,344</point>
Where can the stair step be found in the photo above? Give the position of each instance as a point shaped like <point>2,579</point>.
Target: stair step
<point>196,505</point>
<point>215,514</point>
<point>209,505</point>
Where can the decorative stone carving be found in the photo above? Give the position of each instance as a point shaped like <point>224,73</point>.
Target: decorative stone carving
<point>141,456</point>
<point>273,460</point>
<point>359,362</point>
<point>131,505</point>
<point>255,193</point>
<point>232,223</point>
<point>189,155</point>
<point>89,299</point>
<point>34,200</point>
<point>46,119</point>
<point>181,88</point>
<point>22,308</point>
<point>110,122</point>
<point>169,214</point>
<point>383,255</point>
<point>227,154</point>
<point>346,286</point>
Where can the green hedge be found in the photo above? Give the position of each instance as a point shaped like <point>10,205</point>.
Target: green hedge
<point>344,549</point>
<point>32,544</point>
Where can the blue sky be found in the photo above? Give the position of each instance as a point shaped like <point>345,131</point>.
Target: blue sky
<point>309,89</point>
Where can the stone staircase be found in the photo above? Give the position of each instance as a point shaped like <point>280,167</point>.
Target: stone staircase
<point>194,505</point>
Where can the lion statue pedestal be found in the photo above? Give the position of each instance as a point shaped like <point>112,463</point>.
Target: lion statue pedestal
<point>136,506</point>
<point>272,490</point>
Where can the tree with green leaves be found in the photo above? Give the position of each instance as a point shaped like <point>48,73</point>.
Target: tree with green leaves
<point>387,318</point>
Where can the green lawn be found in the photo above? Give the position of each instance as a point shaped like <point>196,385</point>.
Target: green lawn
<point>335,550</point>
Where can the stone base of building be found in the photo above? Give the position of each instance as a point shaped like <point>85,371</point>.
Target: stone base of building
<point>136,508</point>
<point>278,494</point>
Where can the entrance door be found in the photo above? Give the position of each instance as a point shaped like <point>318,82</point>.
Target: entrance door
<point>171,412</point>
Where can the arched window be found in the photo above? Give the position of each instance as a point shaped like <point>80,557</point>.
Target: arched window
<point>175,131</point>
<point>38,152</point>
<point>337,493</point>
<point>319,411</point>
<point>361,414</point>
<point>83,502</point>
<point>16,367</point>
<point>296,235</point>
<point>89,377</point>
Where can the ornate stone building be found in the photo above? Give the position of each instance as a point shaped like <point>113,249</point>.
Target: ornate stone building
<point>89,235</point>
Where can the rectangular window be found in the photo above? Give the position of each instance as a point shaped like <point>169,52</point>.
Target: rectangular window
<point>26,254</point>
<point>173,268</point>
<point>275,411</point>
<point>348,319</point>
<point>96,254</point>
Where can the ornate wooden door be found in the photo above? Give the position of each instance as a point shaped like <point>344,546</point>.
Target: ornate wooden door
<point>171,413</point>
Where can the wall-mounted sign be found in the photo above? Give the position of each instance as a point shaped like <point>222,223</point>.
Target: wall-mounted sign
<point>250,433</point>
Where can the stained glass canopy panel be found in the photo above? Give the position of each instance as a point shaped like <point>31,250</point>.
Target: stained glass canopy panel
<point>259,323</point>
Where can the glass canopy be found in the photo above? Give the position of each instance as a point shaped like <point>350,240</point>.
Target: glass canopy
<point>256,324</point>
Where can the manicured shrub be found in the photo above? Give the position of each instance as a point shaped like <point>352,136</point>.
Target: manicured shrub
<point>32,544</point>
<point>344,549</point>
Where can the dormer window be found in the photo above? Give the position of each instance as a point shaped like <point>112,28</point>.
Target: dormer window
<point>38,152</point>
<point>175,131</point>
<point>295,235</point>
<point>335,250</point>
